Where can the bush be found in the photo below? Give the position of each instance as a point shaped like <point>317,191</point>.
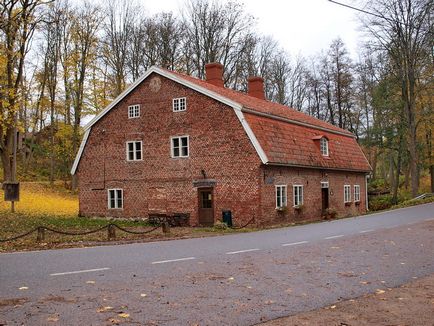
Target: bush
<point>219,225</point>
<point>381,202</point>
<point>330,213</point>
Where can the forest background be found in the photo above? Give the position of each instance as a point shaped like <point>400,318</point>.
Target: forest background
<point>62,62</point>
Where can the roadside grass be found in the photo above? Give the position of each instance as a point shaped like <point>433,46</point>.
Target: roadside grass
<point>57,208</point>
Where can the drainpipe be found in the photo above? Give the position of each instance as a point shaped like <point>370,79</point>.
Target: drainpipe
<point>366,191</point>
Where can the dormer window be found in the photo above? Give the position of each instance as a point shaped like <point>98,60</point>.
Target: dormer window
<point>134,111</point>
<point>324,146</point>
<point>179,104</point>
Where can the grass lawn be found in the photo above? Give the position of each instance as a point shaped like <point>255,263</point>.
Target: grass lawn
<point>54,207</point>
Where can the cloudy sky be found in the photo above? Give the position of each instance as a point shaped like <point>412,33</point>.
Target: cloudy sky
<point>300,26</point>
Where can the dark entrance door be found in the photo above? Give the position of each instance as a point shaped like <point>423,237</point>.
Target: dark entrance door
<point>324,199</point>
<point>206,207</point>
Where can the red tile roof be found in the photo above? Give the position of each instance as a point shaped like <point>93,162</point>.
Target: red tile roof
<point>289,137</point>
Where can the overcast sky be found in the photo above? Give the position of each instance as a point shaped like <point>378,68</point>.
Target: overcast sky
<point>300,26</point>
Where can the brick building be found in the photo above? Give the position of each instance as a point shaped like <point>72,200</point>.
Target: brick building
<point>173,143</point>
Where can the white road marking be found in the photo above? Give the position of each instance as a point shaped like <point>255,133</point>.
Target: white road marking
<point>294,243</point>
<point>429,219</point>
<point>82,271</point>
<point>366,231</point>
<point>241,251</point>
<point>172,260</point>
<point>334,237</point>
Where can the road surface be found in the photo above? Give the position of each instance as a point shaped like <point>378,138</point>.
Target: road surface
<point>239,279</point>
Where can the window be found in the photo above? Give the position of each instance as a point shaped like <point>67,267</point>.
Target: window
<point>356,193</point>
<point>134,151</point>
<point>347,194</point>
<point>179,104</point>
<point>180,146</point>
<point>324,184</point>
<point>298,195</point>
<point>115,198</point>
<point>281,200</point>
<point>324,146</point>
<point>134,111</point>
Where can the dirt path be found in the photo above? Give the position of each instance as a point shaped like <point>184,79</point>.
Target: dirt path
<point>410,304</point>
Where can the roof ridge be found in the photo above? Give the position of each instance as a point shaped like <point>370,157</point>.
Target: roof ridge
<point>327,127</point>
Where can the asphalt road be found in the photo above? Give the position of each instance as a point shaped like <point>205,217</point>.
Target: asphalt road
<point>239,279</point>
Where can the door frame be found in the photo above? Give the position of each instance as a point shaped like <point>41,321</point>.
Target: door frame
<point>199,203</point>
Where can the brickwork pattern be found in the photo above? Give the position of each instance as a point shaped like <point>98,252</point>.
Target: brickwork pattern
<point>218,146</point>
<point>311,180</point>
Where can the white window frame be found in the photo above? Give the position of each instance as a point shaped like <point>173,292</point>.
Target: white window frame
<point>324,184</point>
<point>134,150</point>
<point>116,198</point>
<point>179,104</point>
<point>299,199</point>
<point>357,193</point>
<point>324,146</point>
<point>172,147</point>
<point>134,111</point>
<point>283,196</point>
<point>347,191</point>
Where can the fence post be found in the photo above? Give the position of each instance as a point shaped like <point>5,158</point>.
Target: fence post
<point>166,227</point>
<point>111,232</point>
<point>41,234</point>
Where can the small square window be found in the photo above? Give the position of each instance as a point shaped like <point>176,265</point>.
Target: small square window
<point>134,111</point>
<point>281,197</point>
<point>115,199</point>
<point>179,104</point>
<point>180,146</point>
<point>347,194</point>
<point>298,195</point>
<point>356,193</point>
<point>134,151</point>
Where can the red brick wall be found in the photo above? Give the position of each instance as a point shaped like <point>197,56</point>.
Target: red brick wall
<point>311,181</point>
<point>218,145</point>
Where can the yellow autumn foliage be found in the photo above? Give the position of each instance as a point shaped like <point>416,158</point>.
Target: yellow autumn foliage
<point>40,199</point>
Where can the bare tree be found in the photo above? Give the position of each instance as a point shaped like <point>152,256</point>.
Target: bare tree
<point>117,30</point>
<point>215,32</point>
<point>84,28</point>
<point>404,29</point>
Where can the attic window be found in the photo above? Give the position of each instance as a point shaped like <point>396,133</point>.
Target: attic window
<point>324,146</point>
<point>134,111</point>
<point>179,104</point>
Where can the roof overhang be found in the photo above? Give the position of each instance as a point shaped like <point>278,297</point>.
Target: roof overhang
<point>316,167</point>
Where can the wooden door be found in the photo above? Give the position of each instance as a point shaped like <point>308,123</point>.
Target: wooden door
<point>324,199</point>
<point>206,206</point>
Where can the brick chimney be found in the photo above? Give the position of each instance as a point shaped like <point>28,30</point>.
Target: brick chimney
<point>256,87</point>
<point>214,73</point>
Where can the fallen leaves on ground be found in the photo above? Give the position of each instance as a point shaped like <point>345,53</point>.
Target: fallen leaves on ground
<point>104,309</point>
<point>53,318</point>
<point>379,291</point>
<point>124,315</point>
<point>23,288</point>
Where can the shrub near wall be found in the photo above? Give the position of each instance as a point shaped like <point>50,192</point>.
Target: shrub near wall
<point>380,202</point>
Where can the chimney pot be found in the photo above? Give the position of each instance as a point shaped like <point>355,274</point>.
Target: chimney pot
<point>256,87</point>
<point>214,73</point>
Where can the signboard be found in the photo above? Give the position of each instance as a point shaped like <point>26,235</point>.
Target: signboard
<point>12,191</point>
<point>205,183</point>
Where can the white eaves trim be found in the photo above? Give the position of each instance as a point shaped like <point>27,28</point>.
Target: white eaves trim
<point>236,106</point>
<point>80,151</point>
<point>252,137</point>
